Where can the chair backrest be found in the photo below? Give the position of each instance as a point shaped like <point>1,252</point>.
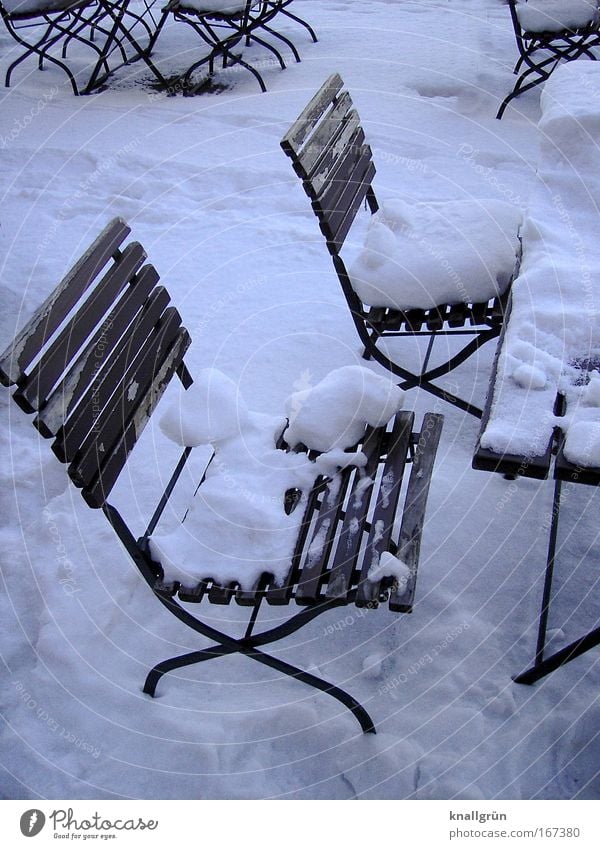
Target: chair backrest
<point>95,359</point>
<point>327,148</point>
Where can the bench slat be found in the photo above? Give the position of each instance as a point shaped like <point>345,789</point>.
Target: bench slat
<point>84,371</point>
<point>323,536</point>
<point>300,129</point>
<point>115,415</point>
<point>70,437</point>
<point>351,535</point>
<point>330,137</point>
<point>34,391</point>
<point>342,231</point>
<point>411,528</point>
<point>382,522</point>
<point>30,341</point>
<point>98,491</point>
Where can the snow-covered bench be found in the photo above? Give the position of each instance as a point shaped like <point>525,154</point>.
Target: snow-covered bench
<point>544,398</point>
<point>549,32</point>
<point>338,524</point>
<point>438,270</point>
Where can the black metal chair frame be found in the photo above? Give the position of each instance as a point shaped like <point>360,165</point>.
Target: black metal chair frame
<point>328,152</point>
<point>541,52</point>
<point>86,406</point>
<point>57,28</point>
<point>224,32</point>
<point>538,467</point>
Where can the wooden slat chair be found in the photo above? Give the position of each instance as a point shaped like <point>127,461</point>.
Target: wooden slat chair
<point>540,51</point>
<point>224,26</point>
<point>95,408</point>
<point>539,467</point>
<point>329,153</point>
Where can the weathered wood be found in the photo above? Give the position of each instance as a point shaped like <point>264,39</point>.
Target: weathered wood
<point>32,394</point>
<point>85,369</point>
<point>335,211</point>
<point>116,411</point>
<point>350,539</point>
<point>327,187</point>
<point>70,437</point>
<point>382,522</point>
<point>413,517</point>
<point>330,137</point>
<point>340,233</point>
<point>322,538</point>
<point>97,492</point>
<point>300,129</point>
<point>45,321</point>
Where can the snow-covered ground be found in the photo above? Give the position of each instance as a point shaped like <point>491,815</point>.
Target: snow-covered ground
<point>208,192</point>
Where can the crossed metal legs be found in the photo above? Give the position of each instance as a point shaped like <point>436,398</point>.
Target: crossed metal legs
<point>248,646</point>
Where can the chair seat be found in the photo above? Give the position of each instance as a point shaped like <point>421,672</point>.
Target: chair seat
<point>21,9</point>
<point>211,8</point>
<point>537,16</point>
<point>418,256</point>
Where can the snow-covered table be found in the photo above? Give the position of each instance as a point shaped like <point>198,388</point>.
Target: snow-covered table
<point>544,399</point>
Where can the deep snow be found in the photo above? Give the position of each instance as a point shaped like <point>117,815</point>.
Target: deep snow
<point>212,198</point>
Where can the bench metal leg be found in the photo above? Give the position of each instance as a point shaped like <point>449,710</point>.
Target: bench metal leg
<point>543,666</point>
<point>247,646</point>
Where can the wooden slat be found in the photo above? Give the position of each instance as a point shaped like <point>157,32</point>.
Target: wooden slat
<point>283,594</point>
<point>413,517</point>
<point>71,436</point>
<point>436,317</point>
<point>414,319</point>
<point>479,313</point>
<point>57,359</point>
<point>218,594</point>
<point>193,595</point>
<point>337,240</point>
<point>335,213</point>
<point>382,521</point>
<point>85,370</point>
<point>457,315</point>
<point>308,118</point>
<point>327,187</point>
<point>96,494</point>
<point>566,471</point>
<point>319,549</point>
<point>115,415</point>
<point>329,138</point>
<point>353,526</point>
<point>30,341</point>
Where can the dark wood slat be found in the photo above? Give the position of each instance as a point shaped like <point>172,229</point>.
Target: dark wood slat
<point>414,319</point>
<point>71,436</point>
<point>479,313</point>
<point>329,135</point>
<point>566,471</point>
<point>436,318</point>
<point>283,594</point>
<point>57,359</point>
<point>458,315</point>
<point>133,385</point>
<point>85,370</point>
<point>312,575</point>
<point>193,595</point>
<point>382,522</point>
<point>333,215</point>
<point>96,494</point>
<point>218,594</point>
<point>308,118</point>
<point>413,517</point>
<point>30,341</point>
<point>342,231</point>
<point>326,192</point>
<point>351,535</point>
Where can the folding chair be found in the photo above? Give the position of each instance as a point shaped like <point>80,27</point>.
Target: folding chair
<point>224,25</point>
<point>328,151</point>
<point>92,365</point>
<point>544,40</point>
<point>46,29</point>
